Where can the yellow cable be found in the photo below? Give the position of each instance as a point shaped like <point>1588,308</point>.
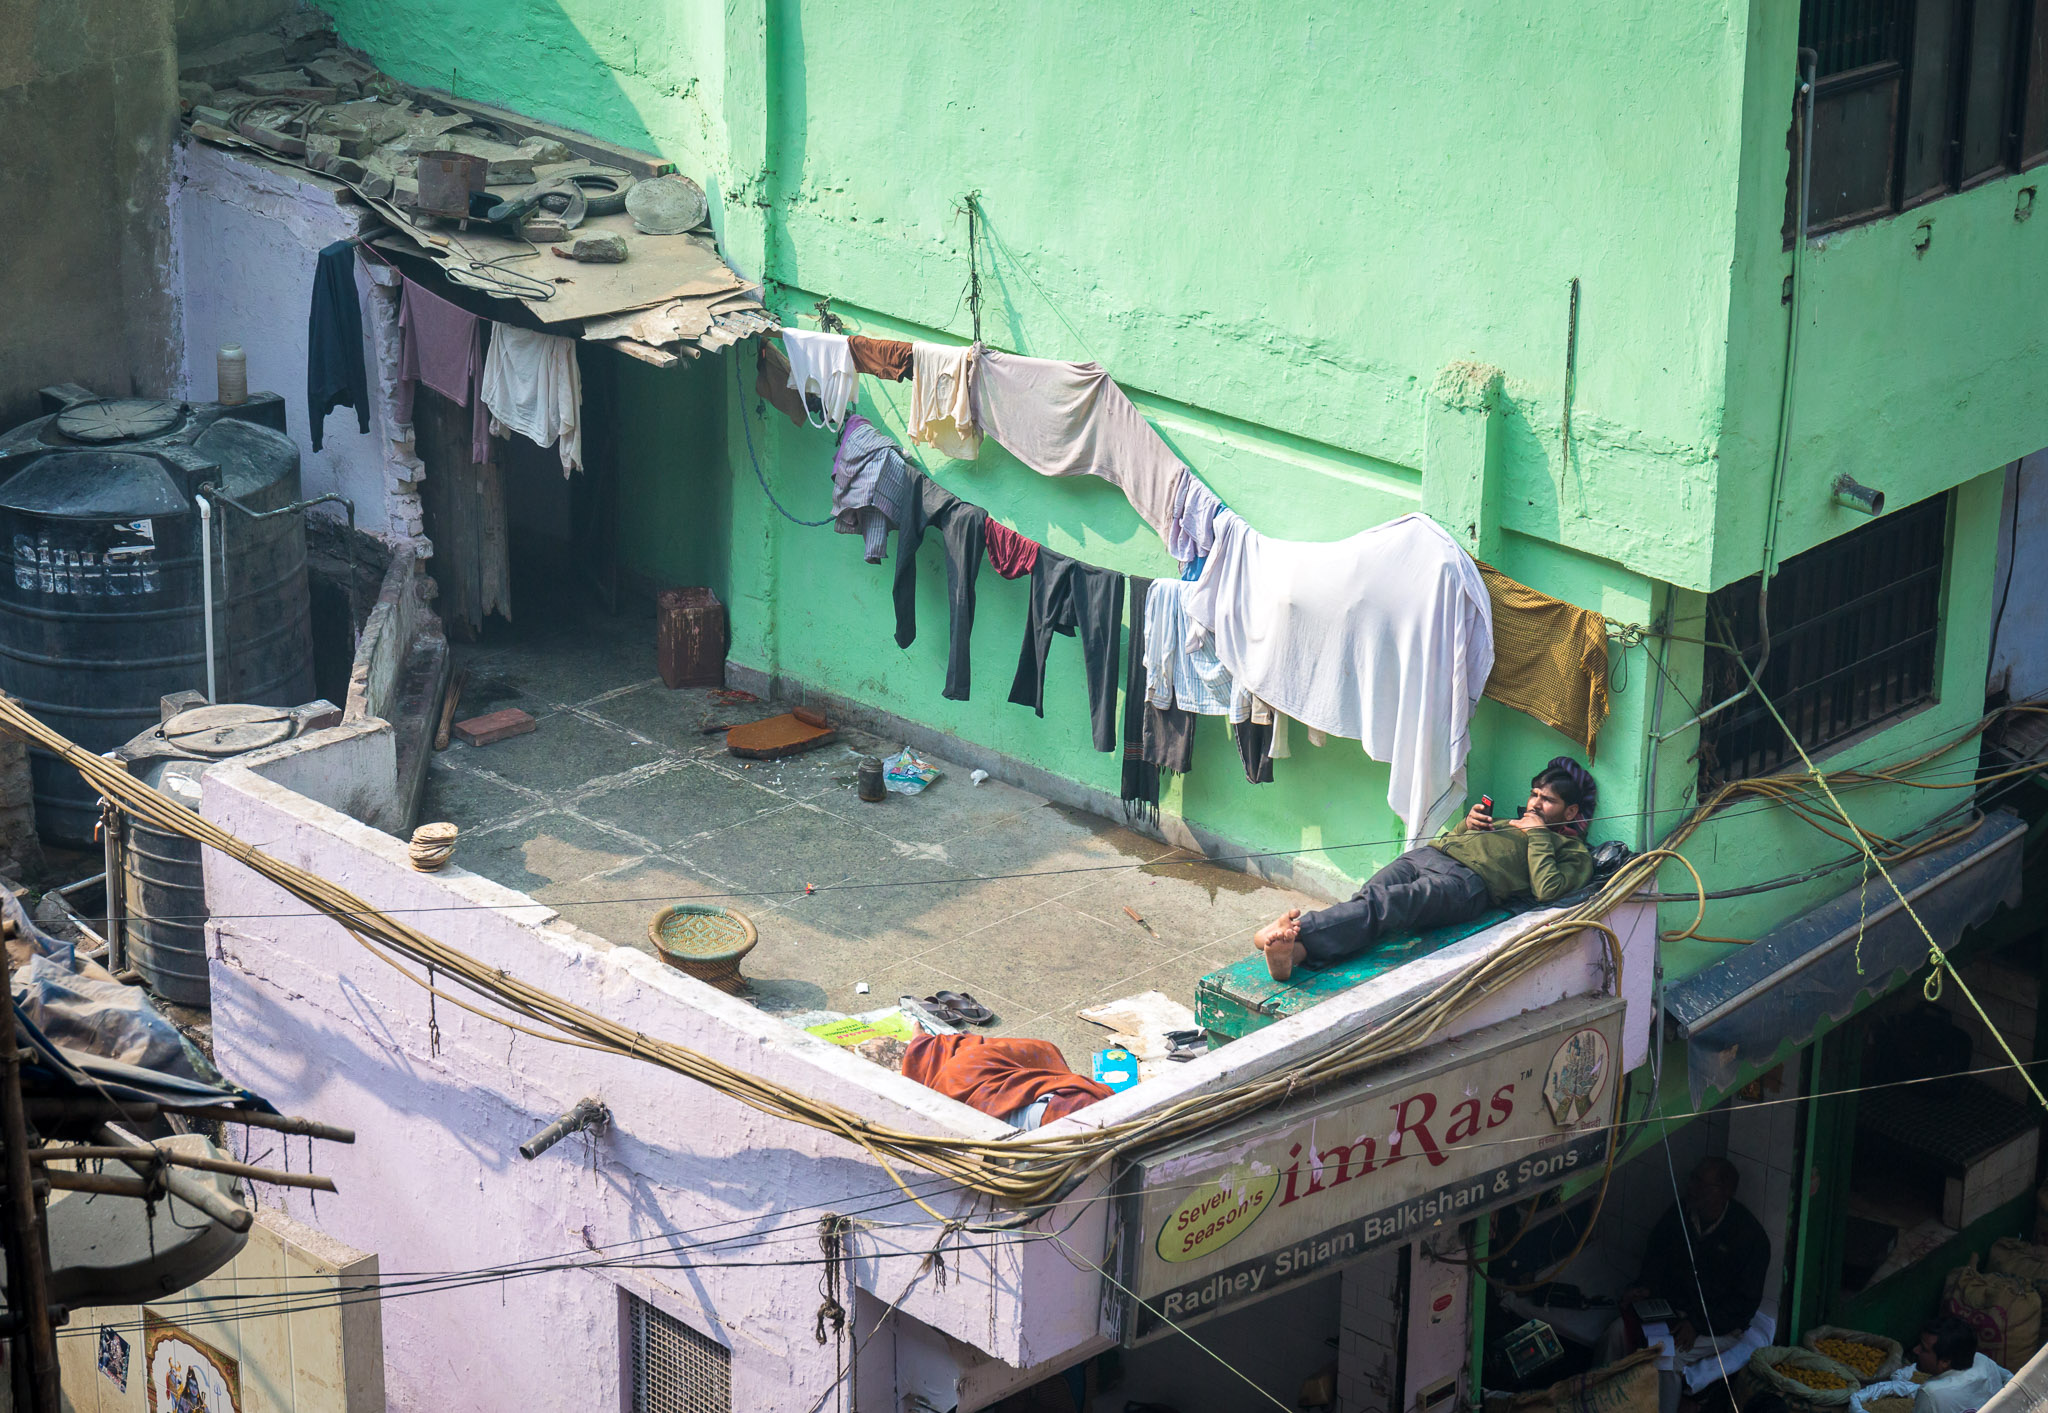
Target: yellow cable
<point>1936,955</point>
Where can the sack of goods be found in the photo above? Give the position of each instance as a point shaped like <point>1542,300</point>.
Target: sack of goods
<point>1629,1386</point>
<point>2003,1310</point>
<point>2022,1260</point>
<point>1803,1378</point>
<point>1871,1356</point>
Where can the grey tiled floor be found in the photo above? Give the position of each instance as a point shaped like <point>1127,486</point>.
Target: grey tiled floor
<point>619,804</point>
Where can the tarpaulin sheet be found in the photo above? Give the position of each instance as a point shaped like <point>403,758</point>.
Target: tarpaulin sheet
<point>1748,1013</point>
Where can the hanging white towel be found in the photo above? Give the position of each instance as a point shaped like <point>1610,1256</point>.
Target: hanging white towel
<point>942,400</point>
<point>1385,637</point>
<point>531,386</point>
<point>821,366</point>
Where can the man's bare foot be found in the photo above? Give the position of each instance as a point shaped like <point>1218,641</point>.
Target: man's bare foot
<point>1282,957</point>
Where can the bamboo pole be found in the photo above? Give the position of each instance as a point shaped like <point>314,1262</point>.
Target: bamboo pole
<point>27,1221</point>
<point>142,1157</point>
<point>103,1185</point>
<point>282,1123</point>
<point>87,1153</point>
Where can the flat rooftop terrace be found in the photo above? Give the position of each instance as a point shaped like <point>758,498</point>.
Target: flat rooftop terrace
<point>620,803</point>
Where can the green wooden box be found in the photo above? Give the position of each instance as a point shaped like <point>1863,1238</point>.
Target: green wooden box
<point>1243,997</point>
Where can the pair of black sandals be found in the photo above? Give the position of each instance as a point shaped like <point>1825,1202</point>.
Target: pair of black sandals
<point>958,1008</point>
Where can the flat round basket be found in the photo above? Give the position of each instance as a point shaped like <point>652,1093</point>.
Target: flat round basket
<point>705,941</point>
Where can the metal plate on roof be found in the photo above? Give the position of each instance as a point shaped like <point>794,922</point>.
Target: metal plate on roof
<point>119,419</point>
<point>667,205</point>
<point>228,729</point>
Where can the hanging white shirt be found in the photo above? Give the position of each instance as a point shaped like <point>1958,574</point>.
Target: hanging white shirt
<point>821,366</point>
<point>1385,637</point>
<point>531,387</point>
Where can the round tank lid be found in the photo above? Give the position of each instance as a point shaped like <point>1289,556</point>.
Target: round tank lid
<point>228,729</point>
<point>119,419</point>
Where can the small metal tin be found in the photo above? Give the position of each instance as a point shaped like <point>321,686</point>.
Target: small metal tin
<point>869,780</point>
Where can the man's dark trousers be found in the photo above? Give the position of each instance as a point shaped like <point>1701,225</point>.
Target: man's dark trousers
<point>1424,888</point>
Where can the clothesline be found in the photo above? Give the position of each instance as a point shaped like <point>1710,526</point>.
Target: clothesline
<point>1393,661</point>
<point>1386,643</point>
<point>1630,633</point>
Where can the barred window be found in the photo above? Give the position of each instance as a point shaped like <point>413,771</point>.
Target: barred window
<point>674,1368</point>
<point>1918,98</point>
<point>1855,627</point>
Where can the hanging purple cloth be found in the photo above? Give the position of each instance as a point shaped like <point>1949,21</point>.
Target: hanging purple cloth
<point>442,345</point>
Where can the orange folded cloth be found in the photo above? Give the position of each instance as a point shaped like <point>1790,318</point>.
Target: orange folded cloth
<point>1000,1074</point>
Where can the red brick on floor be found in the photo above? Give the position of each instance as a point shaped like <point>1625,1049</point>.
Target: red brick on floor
<point>494,726</point>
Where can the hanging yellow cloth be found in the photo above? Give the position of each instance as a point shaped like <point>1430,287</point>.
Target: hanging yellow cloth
<point>1549,658</point>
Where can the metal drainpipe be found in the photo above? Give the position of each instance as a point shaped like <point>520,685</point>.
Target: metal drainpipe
<point>206,582</point>
<point>212,490</point>
<point>1809,63</point>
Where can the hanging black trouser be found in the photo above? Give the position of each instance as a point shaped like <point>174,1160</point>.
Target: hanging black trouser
<point>1070,597</point>
<point>1424,888</point>
<point>965,528</point>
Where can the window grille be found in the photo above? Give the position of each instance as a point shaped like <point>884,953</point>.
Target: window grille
<point>674,1368</point>
<point>1918,98</point>
<point>1855,627</point>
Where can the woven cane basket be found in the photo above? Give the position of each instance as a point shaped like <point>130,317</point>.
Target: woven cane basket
<point>704,941</point>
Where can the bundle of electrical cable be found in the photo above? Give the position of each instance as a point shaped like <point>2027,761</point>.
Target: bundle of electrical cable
<point>1030,1171</point>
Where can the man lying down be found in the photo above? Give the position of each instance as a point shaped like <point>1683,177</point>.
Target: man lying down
<point>1480,864</point>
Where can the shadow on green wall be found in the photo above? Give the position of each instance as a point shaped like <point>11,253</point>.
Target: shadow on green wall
<point>674,489</point>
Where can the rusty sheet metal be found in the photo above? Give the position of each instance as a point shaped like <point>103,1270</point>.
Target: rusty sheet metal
<point>664,323</point>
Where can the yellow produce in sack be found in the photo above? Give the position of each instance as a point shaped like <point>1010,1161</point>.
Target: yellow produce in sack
<point>1865,1359</point>
<point>1814,1378</point>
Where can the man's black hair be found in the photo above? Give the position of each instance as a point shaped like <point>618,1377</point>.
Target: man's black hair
<point>1719,1171</point>
<point>1572,783</point>
<point>1955,1343</point>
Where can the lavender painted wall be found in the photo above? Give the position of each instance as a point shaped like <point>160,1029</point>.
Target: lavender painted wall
<point>248,234</point>
<point>309,1018</point>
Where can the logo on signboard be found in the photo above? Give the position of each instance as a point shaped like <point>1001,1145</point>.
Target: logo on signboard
<point>1578,1076</point>
<point>1214,1215</point>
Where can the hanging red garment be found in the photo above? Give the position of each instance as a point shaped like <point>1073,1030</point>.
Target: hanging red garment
<point>1009,553</point>
<point>1000,1074</point>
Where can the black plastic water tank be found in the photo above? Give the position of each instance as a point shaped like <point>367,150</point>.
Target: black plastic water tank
<point>101,607</point>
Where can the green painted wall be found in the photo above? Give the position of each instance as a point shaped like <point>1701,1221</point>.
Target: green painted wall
<point>1752,843</point>
<point>1277,228</point>
<point>1917,370</point>
<point>675,493</point>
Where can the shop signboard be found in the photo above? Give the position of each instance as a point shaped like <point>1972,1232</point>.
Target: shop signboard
<point>1281,1197</point>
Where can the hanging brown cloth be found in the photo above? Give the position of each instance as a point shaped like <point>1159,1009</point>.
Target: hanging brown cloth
<point>771,383</point>
<point>879,358</point>
<point>1549,658</point>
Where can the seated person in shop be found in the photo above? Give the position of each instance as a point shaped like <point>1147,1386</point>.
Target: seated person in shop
<point>1706,1259</point>
<point>1479,865</point>
<point>1959,1379</point>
